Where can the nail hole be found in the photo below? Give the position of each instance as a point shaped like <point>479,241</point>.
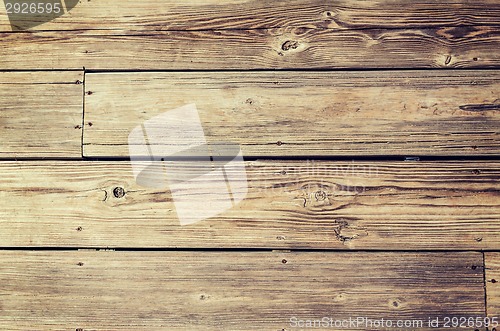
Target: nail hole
<point>90,123</point>
<point>476,171</point>
<point>474,267</point>
<point>493,281</point>
<point>279,143</point>
<point>284,261</point>
<point>80,264</point>
<point>118,192</point>
<point>448,60</point>
<point>475,59</point>
<point>79,228</point>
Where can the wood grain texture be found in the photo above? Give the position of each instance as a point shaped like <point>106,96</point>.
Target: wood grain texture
<point>280,48</point>
<point>231,291</point>
<point>492,267</point>
<point>254,14</point>
<point>41,114</point>
<point>304,114</point>
<point>290,204</point>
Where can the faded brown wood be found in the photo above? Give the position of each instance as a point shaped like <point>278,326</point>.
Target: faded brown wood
<point>299,114</point>
<point>290,204</point>
<point>239,14</point>
<point>231,291</point>
<point>41,114</point>
<point>280,48</point>
<point>492,266</point>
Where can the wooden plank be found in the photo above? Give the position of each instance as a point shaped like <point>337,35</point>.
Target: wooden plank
<point>281,48</point>
<point>254,14</point>
<point>71,290</point>
<point>289,204</point>
<point>41,114</point>
<point>492,267</point>
<point>306,113</point>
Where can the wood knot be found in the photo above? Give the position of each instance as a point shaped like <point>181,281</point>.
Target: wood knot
<point>289,44</point>
<point>119,192</point>
<point>320,195</point>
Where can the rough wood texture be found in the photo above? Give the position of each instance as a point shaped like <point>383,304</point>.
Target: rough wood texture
<point>492,267</point>
<point>41,114</point>
<point>313,113</point>
<point>405,205</point>
<point>230,291</point>
<point>254,14</point>
<point>449,47</point>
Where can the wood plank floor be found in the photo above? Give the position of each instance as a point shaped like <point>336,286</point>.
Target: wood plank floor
<point>334,205</point>
<point>41,114</point>
<point>306,114</point>
<point>203,290</point>
<point>492,266</point>
<point>366,186</point>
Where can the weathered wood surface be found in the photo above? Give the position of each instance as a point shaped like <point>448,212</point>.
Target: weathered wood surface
<point>304,114</point>
<point>231,291</point>
<point>280,48</point>
<point>254,14</point>
<point>492,267</point>
<point>41,114</point>
<point>290,204</point>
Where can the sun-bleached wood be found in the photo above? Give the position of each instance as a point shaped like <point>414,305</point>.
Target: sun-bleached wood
<point>89,290</point>
<point>279,48</point>
<point>290,204</point>
<point>41,114</point>
<point>305,113</point>
<point>492,277</point>
<point>254,14</point>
